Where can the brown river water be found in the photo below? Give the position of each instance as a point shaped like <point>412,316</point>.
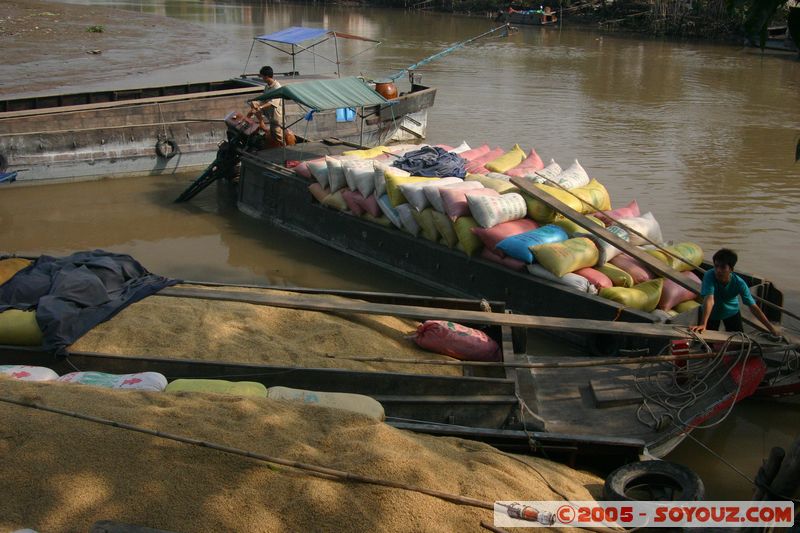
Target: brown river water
<point>703,135</point>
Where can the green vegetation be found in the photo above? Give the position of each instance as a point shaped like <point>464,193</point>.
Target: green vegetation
<point>95,29</point>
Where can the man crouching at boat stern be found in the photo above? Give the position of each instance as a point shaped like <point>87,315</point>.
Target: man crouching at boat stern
<point>269,113</point>
<point>720,290</point>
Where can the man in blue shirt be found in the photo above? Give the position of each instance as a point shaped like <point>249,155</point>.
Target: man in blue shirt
<point>720,290</point>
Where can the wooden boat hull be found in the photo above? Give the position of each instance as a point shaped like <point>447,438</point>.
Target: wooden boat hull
<point>116,133</point>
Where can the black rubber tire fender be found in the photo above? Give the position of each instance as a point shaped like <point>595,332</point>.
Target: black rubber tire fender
<point>656,473</point>
<point>167,148</point>
<point>3,163</point>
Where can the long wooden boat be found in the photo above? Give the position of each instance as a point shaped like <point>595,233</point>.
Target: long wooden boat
<point>580,415</point>
<point>157,130</point>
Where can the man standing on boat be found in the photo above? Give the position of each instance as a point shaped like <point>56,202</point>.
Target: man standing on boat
<point>720,290</point>
<point>270,112</point>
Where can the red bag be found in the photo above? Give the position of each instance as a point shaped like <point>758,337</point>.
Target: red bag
<point>455,340</point>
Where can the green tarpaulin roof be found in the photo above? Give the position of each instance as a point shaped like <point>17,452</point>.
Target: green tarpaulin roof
<point>321,95</point>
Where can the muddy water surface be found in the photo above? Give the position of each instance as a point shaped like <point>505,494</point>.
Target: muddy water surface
<point>702,135</point>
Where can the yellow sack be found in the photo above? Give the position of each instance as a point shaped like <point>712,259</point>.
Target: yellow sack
<point>561,258</point>
<point>541,212</point>
<point>424,220</point>
<point>367,154</point>
<point>445,228</point>
<point>644,296</point>
<point>382,220</point>
<point>571,227</point>
<point>501,186</point>
<point>688,305</point>
<point>19,328</point>
<point>507,161</point>
<point>393,183</point>
<point>470,243</point>
<point>618,277</point>
<point>218,386</point>
<point>9,267</point>
<point>335,201</point>
<point>595,197</point>
<point>687,250</point>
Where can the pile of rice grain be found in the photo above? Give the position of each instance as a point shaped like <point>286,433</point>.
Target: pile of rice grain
<point>186,328</point>
<point>64,474</point>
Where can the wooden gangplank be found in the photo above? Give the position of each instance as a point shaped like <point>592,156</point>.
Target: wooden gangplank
<point>654,264</point>
<point>317,303</point>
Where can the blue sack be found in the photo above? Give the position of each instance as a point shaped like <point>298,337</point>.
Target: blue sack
<point>518,246</point>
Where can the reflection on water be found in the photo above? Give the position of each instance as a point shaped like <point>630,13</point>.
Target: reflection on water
<point>701,135</point>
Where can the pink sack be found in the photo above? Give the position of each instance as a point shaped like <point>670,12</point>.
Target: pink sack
<point>630,210</point>
<point>369,204</point>
<point>303,170</point>
<point>673,294</point>
<point>352,204</point>
<point>636,269</point>
<point>478,162</point>
<point>469,155</point>
<point>531,164</point>
<point>492,236</point>
<point>455,200</point>
<point>506,261</point>
<point>595,277</point>
<point>457,341</point>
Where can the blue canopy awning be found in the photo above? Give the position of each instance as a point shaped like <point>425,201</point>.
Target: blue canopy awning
<point>293,35</point>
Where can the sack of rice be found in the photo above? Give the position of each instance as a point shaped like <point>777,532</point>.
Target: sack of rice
<point>19,328</point>
<point>607,250</point>
<point>529,165</point>
<point>355,403</point>
<point>508,262</point>
<point>149,381</point>
<point>489,211</point>
<point>609,217</point>
<point>433,191</point>
<point>507,161</point>
<point>359,174</point>
<point>336,201</point>
<point>518,246</point>
<point>460,149</point>
<point>674,294</point>
<point>445,227</point>
<point>454,200</point>
<point>637,270</point>
<point>474,153</point>
<point>336,178</point>
<point>567,256</point>
<point>28,373</point>
<point>389,211</point>
<point>393,183</point>
<point>645,225</point>
<point>573,228</point>
<point>404,211</point>
<point>548,174</point>
<point>319,170</point>
<point>303,171</point>
<point>688,305</point>
<point>492,236</point>
<point>595,277</point>
<point>380,176</point>
<point>543,213</point>
<point>352,199</point>
<point>573,176</point>
<point>415,192</point>
<point>618,277</point>
<point>218,386</point>
<point>455,340</point>
<point>500,185</point>
<point>424,220</point>
<point>478,163</point>
<point>594,195</point>
<point>468,241</point>
<point>369,204</point>
<point>368,153</point>
<point>690,254</point>
<point>574,281</point>
<point>643,296</point>
<point>380,220</point>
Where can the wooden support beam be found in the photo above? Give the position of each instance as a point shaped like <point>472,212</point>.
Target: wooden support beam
<point>316,303</point>
<point>654,264</point>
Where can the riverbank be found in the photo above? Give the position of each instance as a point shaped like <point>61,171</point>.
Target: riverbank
<point>48,45</point>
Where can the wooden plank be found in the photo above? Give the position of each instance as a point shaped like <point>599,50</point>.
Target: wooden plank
<point>314,303</point>
<point>654,264</point>
<point>613,395</point>
<point>122,103</point>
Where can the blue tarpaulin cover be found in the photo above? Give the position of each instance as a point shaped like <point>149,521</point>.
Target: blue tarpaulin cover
<point>293,35</point>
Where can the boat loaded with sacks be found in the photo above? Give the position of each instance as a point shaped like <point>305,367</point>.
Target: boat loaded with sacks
<point>443,366</point>
<point>177,127</point>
